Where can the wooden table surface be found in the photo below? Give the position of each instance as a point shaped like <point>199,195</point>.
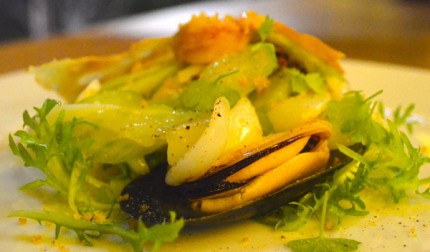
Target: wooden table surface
<point>389,31</point>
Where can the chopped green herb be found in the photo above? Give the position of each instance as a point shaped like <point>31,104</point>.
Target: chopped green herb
<point>323,244</point>
<point>266,28</point>
<point>303,82</point>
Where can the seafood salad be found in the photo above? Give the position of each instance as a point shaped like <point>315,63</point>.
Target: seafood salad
<point>229,119</point>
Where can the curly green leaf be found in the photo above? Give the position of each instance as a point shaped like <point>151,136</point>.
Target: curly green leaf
<point>156,235</point>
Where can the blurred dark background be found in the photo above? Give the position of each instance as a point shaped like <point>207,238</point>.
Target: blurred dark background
<point>21,19</point>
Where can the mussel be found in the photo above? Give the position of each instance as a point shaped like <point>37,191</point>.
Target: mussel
<point>242,184</point>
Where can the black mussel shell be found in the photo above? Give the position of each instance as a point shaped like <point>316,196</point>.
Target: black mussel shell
<point>214,183</point>
<point>148,197</point>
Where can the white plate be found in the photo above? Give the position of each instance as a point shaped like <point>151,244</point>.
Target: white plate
<point>390,228</point>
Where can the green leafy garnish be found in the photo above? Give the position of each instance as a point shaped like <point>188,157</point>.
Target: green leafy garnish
<point>391,161</point>
<point>324,244</point>
<point>52,146</point>
<point>287,218</point>
<point>266,28</point>
<point>138,239</point>
<point>358,124</point>
<point>302,82</point>
<point>393,164</point>
<point>401,117</point>
<point>201,94</point>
